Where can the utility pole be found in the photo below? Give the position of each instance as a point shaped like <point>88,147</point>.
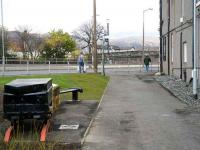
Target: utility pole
<point>95,65</point>
<point>2,38</point>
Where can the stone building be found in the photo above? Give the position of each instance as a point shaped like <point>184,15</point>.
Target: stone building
<point>176,28</point>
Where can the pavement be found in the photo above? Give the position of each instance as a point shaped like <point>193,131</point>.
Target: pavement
<point>136,113</point>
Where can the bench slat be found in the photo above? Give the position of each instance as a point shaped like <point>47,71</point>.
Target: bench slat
<point>72,90</point>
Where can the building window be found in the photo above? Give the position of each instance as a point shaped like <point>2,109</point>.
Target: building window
<point>164,49</point>
<point>185,52</point>
<point>172,48</point>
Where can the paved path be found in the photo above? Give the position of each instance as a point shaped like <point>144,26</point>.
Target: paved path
<point>138,114</point>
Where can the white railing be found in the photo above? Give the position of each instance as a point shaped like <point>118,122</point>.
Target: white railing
<point>21,67</point>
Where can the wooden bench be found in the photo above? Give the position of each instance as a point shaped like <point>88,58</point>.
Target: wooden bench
<point>74,92</point>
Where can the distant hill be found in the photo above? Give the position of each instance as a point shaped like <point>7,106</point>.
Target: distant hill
<point>135,42</point>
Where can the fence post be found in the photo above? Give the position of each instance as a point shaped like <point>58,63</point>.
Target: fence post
<point>128,65</point>
<point>49,67</point>
<point>140,64</point>
<point>68,66</point>
<point>27,67</point>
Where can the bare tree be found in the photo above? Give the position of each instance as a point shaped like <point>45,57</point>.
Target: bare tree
<point>6,44</point>
<point>35,45</point>
<point>84,34</point>
<point>30,43</point>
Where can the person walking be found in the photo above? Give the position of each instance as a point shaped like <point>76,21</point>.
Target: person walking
<point>147,60</point>
<point>81,63</point>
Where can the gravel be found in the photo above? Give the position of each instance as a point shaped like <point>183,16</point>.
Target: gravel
<point>180,89</point>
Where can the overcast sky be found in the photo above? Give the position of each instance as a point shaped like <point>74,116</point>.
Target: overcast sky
<point>44,15</point>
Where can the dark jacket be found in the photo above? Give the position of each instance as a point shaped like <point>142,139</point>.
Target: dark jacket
<point>147,60</point>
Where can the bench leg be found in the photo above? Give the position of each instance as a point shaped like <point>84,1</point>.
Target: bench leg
<point>75,96</point>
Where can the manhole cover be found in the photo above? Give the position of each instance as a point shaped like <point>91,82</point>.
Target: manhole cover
<point>65,126</point>
<point>68,127</point>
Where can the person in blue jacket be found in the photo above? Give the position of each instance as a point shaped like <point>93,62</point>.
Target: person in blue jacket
<point>81,62</point>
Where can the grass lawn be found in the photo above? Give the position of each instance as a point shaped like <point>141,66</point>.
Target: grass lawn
<point>93,84</point>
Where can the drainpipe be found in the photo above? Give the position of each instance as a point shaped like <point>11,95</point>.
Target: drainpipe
<point>168,45</point>
<point>194,72</point>
<point>181,55</point>
<point>161,48</point>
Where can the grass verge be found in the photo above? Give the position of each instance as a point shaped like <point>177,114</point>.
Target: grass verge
<point>93,84</point>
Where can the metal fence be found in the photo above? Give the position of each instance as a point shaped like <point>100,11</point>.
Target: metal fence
<point>48,66</point>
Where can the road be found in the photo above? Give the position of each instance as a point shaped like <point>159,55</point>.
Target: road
<point>136,113</point>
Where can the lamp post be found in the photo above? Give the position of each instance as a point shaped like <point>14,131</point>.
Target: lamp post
<point>94,38</point>
<point>2,38</point>
<point>108,33</point>
<point>103,57</point>
<point>143,34</point>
